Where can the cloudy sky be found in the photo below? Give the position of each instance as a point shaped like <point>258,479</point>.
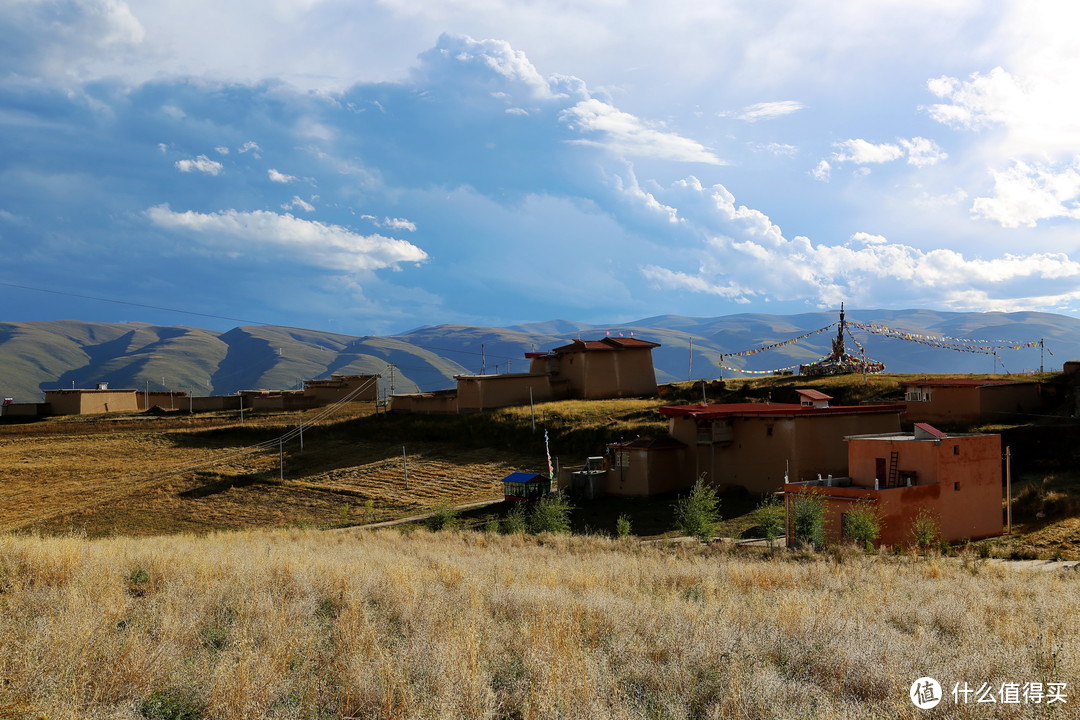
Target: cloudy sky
<point>368,166</point>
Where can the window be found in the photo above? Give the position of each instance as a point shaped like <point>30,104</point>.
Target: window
<point>955,449</point>
<point>956,486</point>
<point>768,428</point>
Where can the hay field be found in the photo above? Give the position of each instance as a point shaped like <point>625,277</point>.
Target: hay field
<point>148,476</point>
<point>385,625</point>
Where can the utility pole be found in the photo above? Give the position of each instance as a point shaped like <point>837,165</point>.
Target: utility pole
<point>704,400</point>
<point>391,366</point>
<point>690,370</point>
<point>532,409</point>
<point>146,396</point>
<point>405,466</point>
<point>281,459</point>
<point>241,407</point>
<point>483,360</point>
<point>1042,350</point>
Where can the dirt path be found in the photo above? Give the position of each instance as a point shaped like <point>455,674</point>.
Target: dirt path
<point>416,518</point>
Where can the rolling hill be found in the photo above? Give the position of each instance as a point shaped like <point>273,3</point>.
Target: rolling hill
<point>36,356</point>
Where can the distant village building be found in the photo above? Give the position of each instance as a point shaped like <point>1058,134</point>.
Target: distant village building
<point>613,367</point>
<point>594,369</point>
<point>954,478</point>
<point>647,466</point>
<point>759,445</point>
<point>358,388</point>
<point>83,401</point>
<point>969,400</point>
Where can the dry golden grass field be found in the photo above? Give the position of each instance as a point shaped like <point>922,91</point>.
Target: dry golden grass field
<point>141,475</point>
<point>462,625</point>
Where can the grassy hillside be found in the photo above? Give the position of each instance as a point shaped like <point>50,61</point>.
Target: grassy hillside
<point>42,355</point>
<point>381,625</point>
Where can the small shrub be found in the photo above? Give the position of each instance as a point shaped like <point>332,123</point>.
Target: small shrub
<point>491,524</point>
<point>925,530</point>
<point>622,526</point>
<point>550,514</point>
<point>808,521</point>
<point>696,514</point>
<point>175,703</point>
<point>515,522</point>
<point>770,519</point>
<point>863,525</point>
<point>444,517</point>
<point>138,582</point>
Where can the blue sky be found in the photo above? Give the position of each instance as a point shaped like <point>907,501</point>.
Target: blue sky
<point>368,167</point>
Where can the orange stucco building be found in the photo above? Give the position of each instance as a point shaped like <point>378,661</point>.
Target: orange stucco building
<point>585,369</point>
<point>969,400</point>
<point>758,445</point>
<point>593,369</point>
<point>647,466</point>
<point>358,388</point>
<point>82,401</point>
<point>956,478</point>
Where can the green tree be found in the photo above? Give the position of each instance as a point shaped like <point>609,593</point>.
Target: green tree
<point>808,521</point>
<point>770,519</point>
<point>444,517</point>
<point>550,514</point>
<point>925,530</point>
<point>863,525</point>
<point>697,514</point>
<point>622,526</point>
<point>515,521</point>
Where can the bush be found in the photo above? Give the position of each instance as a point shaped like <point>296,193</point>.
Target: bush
<point>808,521</point>
<point>491,524</point>
<point>515,523</point>
<point>172,704</point>
<point>443,518</point>
<point>770,519</point>
<point>696,514</point>
<point>550,514</point>
<point>925,530</point>
<point>863,525</point>
<point>622,526</point>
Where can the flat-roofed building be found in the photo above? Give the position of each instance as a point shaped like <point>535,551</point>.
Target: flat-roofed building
<point>954,479</point>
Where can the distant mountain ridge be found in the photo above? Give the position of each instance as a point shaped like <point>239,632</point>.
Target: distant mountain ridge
<point>40,355</point>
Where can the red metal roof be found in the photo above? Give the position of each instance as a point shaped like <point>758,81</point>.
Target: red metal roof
<point>930,430</point>
<point>708,412</point>
<point>608,343</point>
<point>810,394</point>
<point>649,443</point>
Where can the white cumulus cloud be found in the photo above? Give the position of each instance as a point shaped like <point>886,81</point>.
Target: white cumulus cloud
<point>201,164</point>
<point>743,255</point>
<point>766,110</point>
<point>399,224</point>
<point>822,171</point>
<point>861,152</point>
<point>627,135</point>
<point>279,177</point>
<point>1026,193</point>
<point>298,203</point>
<point>328,246</point>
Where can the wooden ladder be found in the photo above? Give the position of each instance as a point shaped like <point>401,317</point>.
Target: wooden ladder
<point>894,479</point>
